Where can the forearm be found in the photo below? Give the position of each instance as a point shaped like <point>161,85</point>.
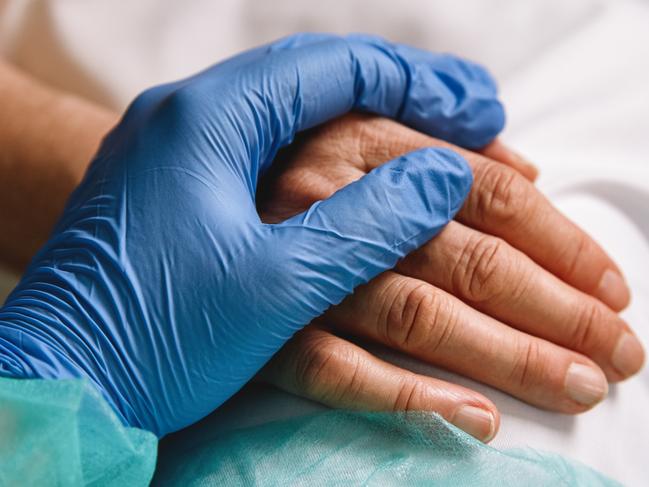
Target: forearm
<point>47,138</point>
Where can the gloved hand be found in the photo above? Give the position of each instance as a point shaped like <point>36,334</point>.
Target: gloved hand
<point>161,285</point>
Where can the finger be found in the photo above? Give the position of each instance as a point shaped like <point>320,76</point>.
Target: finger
<point>364,228</point>
<point>504,204</point>
<point>499,152</point>
<point>499,280</point>
<point>323,367</point>
<point>430,324</point>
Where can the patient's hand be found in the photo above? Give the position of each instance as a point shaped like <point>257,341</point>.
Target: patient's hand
<point>511,294</point>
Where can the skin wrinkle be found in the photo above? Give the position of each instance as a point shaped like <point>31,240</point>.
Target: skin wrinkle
<point>482,266</point>
<point>449,327</point>
<point>416,314</point>
<point>587,320</point>
<point>521,372</point>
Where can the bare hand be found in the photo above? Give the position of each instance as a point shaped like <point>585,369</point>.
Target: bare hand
<point>511,294</point>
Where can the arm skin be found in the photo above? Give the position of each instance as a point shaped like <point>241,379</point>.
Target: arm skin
<point>47,138</point>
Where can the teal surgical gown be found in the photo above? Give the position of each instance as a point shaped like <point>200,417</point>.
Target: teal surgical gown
<point>62,432</point>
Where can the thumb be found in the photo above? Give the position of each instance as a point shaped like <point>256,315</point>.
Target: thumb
<point>367,226</point>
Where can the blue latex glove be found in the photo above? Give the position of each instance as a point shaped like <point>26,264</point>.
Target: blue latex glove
<point>161,285</point>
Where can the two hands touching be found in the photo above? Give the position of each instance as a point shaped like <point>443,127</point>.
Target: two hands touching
<point>511,293</point>
<point>162,285</point>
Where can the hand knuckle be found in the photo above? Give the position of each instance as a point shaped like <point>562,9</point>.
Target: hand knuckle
<point>528,367</point>
<point>318,365</point>
<point>573,253</point>
<point>582,335</point>
<point>481,271</point>
<point>500,193</point>
<point>420,318</point>
<point>409,397</point>
<point>412,316</point>
<point>180,102</point>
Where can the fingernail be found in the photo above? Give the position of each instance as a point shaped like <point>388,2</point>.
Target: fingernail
<point>585,384</point>
<point>612,290</point>
<point>478,422</point>
<point>628,355</point>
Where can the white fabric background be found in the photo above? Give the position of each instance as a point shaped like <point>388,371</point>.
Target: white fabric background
<point>574,78</point>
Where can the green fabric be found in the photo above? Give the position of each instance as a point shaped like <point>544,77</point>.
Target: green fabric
<point>64,433</point>
<point>382,449</point>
